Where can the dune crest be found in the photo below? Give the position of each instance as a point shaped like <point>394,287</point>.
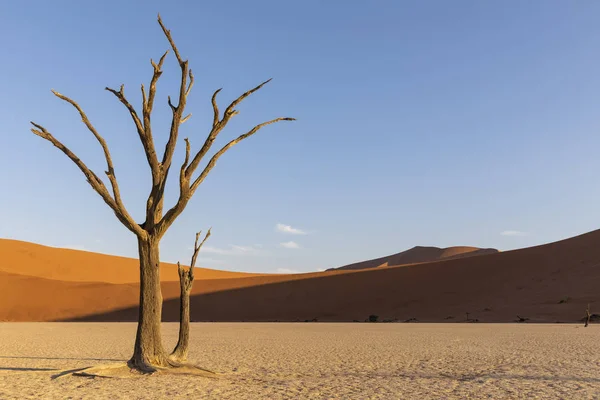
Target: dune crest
<point>418,254</point>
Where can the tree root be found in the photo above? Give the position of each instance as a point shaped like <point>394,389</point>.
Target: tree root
<point>126,370</point>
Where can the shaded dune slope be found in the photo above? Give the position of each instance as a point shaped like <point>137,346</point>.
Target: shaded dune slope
<point>494,287</point>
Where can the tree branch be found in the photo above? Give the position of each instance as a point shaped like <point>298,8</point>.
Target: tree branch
<point>219,124</point>
<point>184,90</point>
<point>216,129</point>
<point>213,160</point>
<point>186,278</point>
<point>189,89</point>
<point>153,203</point>
<point>190,273</point>
<point>185,118</point>
<point>90,127</point>
<point>186,192</point>
<point>216,117</point>
<point>146,140</point>
<point>187,154</point>
<point>144,99</point>
<point>170,39</point>
<point>183,181</point>
<point>136,120</point>
<point>94,181</point>
<point>111,171</point>
<point>230,110</point>
<point>155,200</point>
<point>197,248</point>
<point>148,104</point>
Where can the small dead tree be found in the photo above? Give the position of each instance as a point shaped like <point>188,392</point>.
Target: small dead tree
<point>186,281</point>
<point>522,319</point>
<point>148,353</point>
<point>588,316</point>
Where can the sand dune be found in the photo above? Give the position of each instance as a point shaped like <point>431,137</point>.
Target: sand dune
<point>418,254</point>
<point>32,259</point>
<point>30,298</point>
<point>548,283</point>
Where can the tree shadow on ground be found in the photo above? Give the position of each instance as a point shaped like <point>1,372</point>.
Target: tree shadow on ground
<point>26,369</point>
<point>67,372</point>
<point>61,358</point>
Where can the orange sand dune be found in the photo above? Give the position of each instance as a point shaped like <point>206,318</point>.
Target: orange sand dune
<point>30,298</point>
<point>547,283</point>
<point>418,254</point>
<point>31,259</point>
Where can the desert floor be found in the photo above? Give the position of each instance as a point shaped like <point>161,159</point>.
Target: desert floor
<point>313,360</point>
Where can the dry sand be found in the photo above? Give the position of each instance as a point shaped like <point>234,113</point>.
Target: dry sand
<point>313,361</point>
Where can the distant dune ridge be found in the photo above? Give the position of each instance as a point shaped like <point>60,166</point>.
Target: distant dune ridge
<point>418,254</point>
<point>547,283</point>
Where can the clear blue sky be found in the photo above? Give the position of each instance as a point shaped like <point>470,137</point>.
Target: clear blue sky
<point>419,123</point>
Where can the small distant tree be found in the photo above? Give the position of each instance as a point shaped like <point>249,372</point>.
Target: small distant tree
<point>186,281</point>
<point>522,319</point>
<point>149,353</point>
<point>588,316</point>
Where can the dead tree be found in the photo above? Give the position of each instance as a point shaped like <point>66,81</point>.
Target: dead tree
<point>148,350</point>
<point>588,316</point>
<point>522,319</point>
<point>186,281</point>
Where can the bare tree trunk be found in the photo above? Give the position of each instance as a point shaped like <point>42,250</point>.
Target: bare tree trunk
<point>185,283</point>
<point>149,351</point>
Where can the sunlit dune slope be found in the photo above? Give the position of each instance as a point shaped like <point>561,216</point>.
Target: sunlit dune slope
<point>31,259</point>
